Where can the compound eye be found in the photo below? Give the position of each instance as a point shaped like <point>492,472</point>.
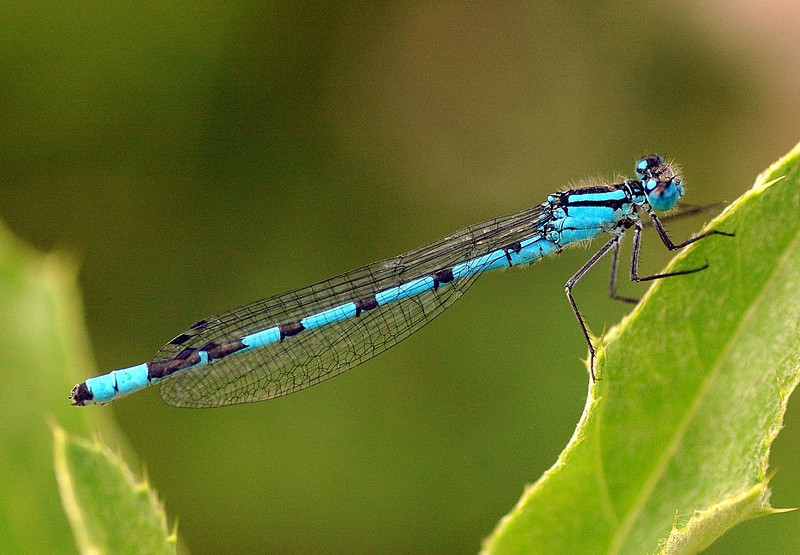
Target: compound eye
<point>662,195</point>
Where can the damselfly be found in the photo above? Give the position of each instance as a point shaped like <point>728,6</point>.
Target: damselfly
<point>294,340</point>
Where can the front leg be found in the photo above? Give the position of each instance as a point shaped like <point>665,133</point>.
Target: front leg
<point>668,242</point>
<point>637,243</point>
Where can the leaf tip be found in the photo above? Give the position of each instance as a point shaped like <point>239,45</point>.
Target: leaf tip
<point>706,525</point>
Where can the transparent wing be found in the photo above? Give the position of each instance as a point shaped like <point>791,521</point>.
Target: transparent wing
<point>313,356</point>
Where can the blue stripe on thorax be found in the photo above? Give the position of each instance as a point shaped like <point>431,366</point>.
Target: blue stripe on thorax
<point>588,213</point>
<point>597,195</point>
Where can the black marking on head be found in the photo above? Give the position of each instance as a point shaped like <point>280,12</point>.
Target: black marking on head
<point>367,303</point>
<point>516,247</point>
<point>651,162</point>
<point>289,329</point>
<point>442,276</point>
<point>81,395</point>
<point>217,351</point>
<point>163,368</point>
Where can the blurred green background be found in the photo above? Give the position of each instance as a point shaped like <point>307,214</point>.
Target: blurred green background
<point>198,157</point>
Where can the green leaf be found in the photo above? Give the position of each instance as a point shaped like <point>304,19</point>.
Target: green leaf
<point>44,350</point>
<point>44,353</point>
<point>109,510</point>
<point>673,446</point>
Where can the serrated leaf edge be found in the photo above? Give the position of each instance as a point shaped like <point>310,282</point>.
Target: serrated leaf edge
<point>69,499</point>
<point>706,525</point>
